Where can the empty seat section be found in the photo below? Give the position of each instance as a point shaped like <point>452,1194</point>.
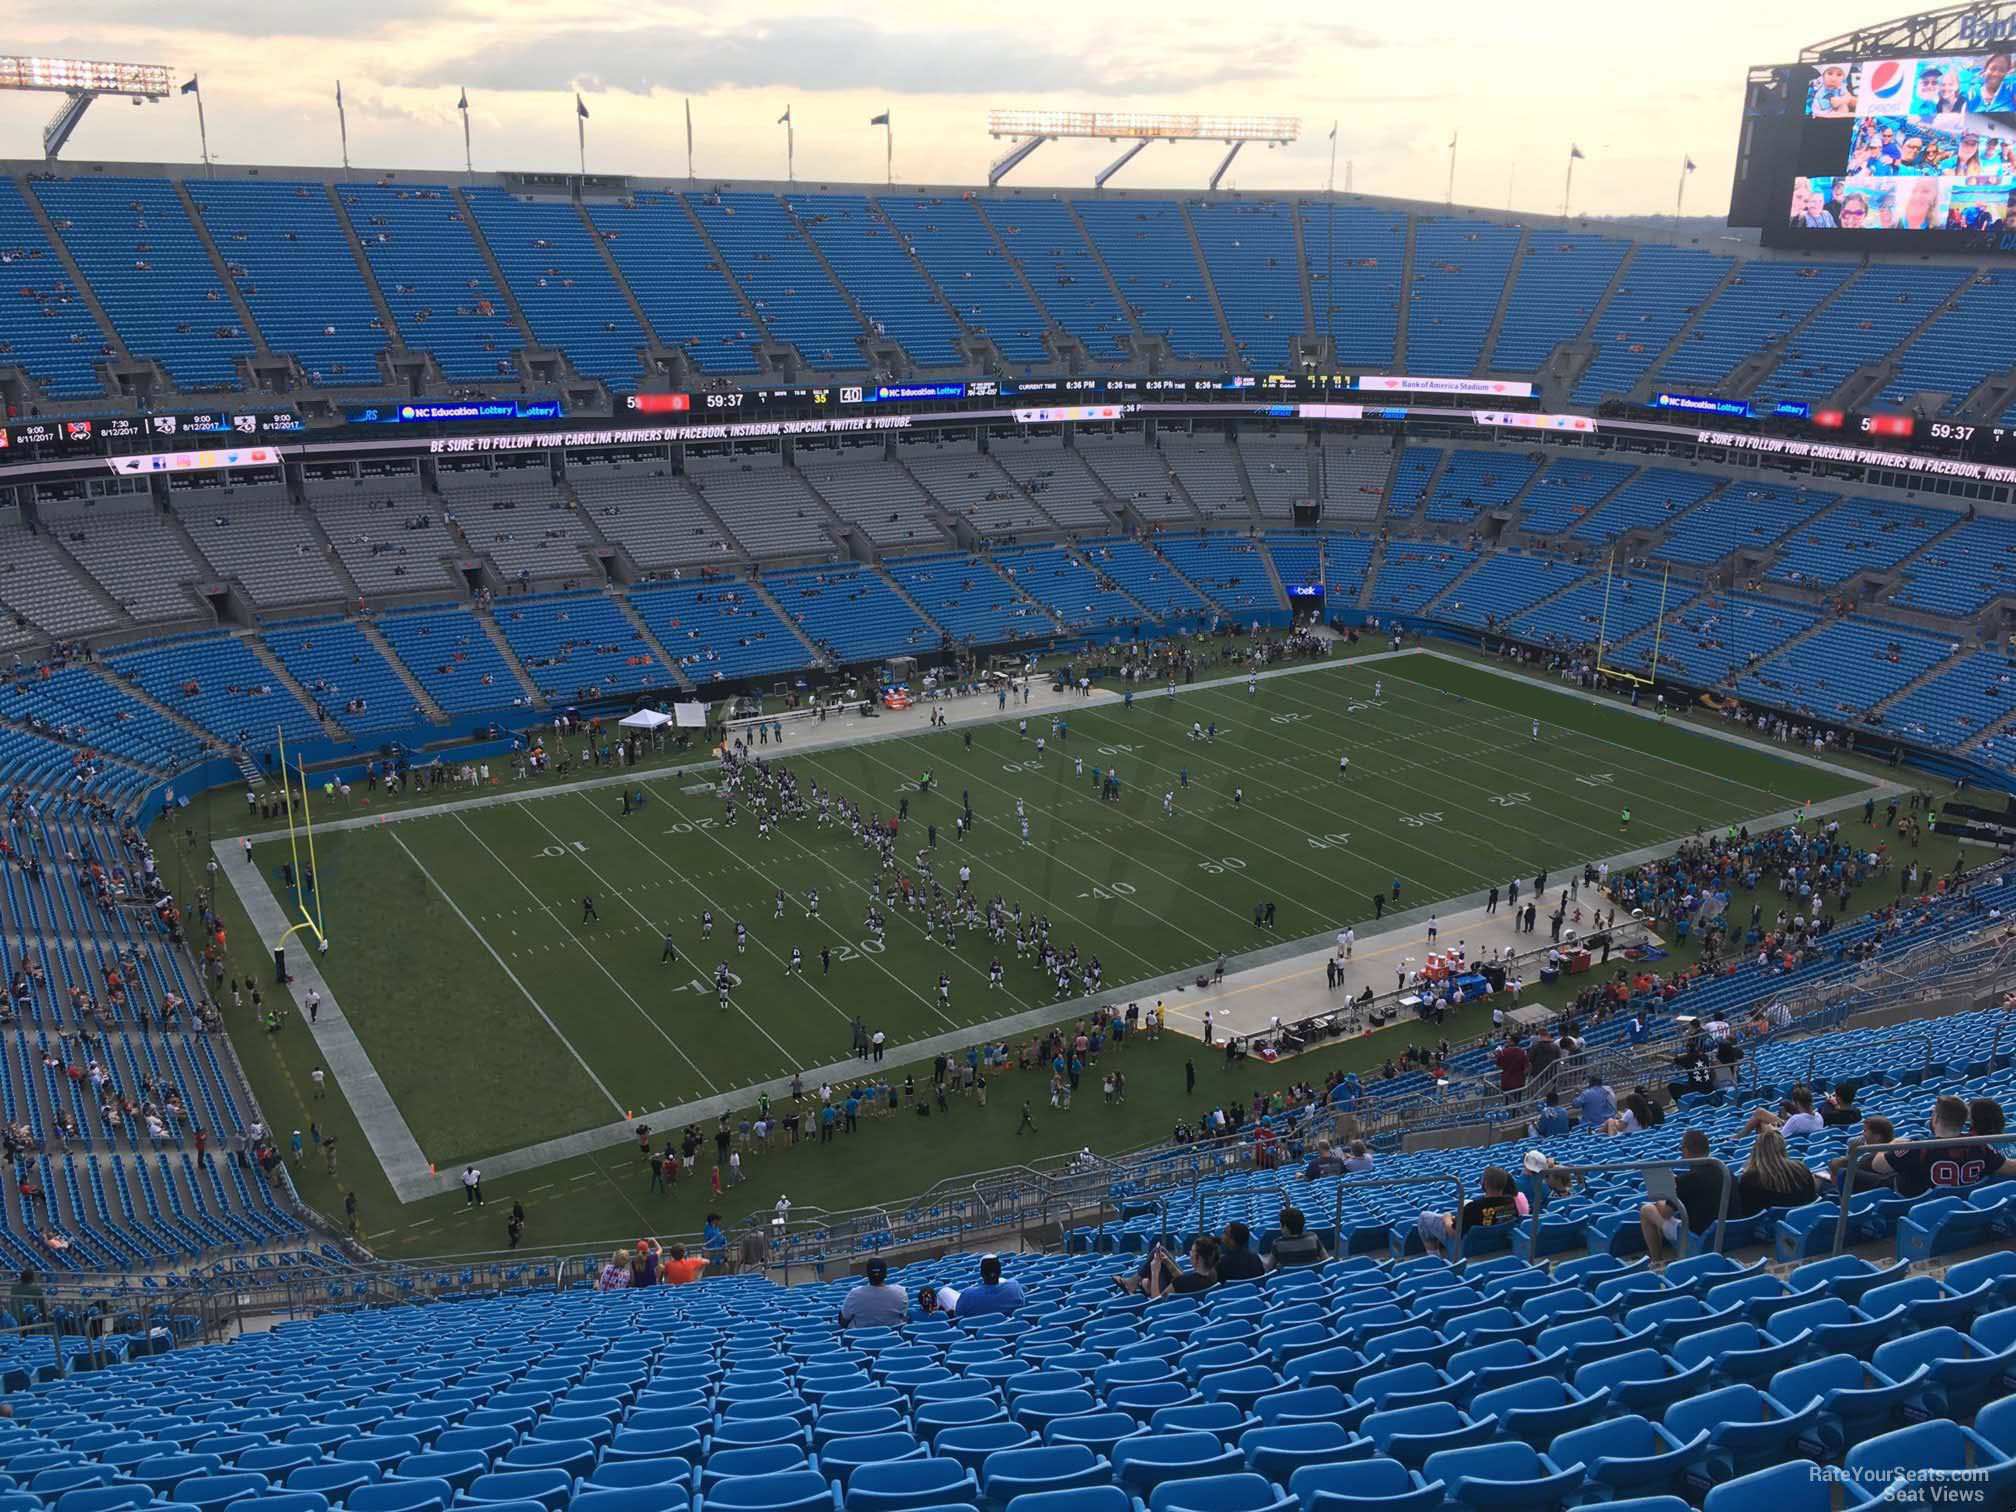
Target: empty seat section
<point>1146,577</point>
<point>1138,475</point>
<point>952,240</point>
<point>1356,258</point>
<point>247,527</point>
<point>651,512</point>
<point>453,658</point>
<point>1475,481</point>
<point>1710,639</point>
<point>1505,583</point>
<point>1844,670</point>
<point>971,486</point>
<point>1249,251</point>
<point>1976,692</point>
<point>1885,304</point>
<point>1208,470</point>
<point>1755,311</point>
<point>868,491</point>
<point>344,673</point>
<point>678,281</point>
<point>559,279</point>
<point>1561,279</point>
<point>580,646</point>
<point>971,600</point>
<point>45,327</point>
<point>1856,535</point>
<point>514,515</point>
<point>764,503</point>
<point>1952,356</point>
<point>217,682</point>
<point>1230,570</point>
<point>1043,238</point>
<point>1963,573</point>
<point>1648,501</point>
<point>1146,247</point>
<point>285,249</point>
<point>1055,476</point>
<point>718,631</point>
<point>797,302</point>
<point>433,277</point>
<point>1411,476</point>
<point>850,611</point>
<point>152,275</point>
<point>131,548</point>
<point>391,533</point>
<point>1413,572</point>
<point>1745,516</point>
<point>1459,278</point>
<point>1337,562</point>
<point>1657,293</point>
<point>1562,496</point>
<point>1354,475</point>
<point>1079,596</point>
<point>1602,607</point>
<point>1278,469</point>
<point>870,261</point>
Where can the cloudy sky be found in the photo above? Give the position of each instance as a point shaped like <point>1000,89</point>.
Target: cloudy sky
<point>1636,85</point>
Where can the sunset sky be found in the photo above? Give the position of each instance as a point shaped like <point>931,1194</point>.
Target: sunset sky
<point>1636,86</point>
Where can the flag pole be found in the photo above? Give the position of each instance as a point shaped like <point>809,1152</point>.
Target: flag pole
<point>1568,185</point>
<point>689,139</point>
<point>468,157</point>
<point>889,149</point>
<point>202,127</point>
<point>1680,194</point>
<point>581,134</point>
<point>342,128</point>
<point>1331,185</point>
<point>1451,197</point>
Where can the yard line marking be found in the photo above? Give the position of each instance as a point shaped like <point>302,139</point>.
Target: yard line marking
<point>573,939</point>
<point>447,898</point>
<point>753,1023</point>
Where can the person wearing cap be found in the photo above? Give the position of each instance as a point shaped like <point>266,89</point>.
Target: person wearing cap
<point>990,1294</point>
<point>875,1303</point>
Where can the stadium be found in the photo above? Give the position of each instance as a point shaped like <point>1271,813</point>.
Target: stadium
<point>723,845</point>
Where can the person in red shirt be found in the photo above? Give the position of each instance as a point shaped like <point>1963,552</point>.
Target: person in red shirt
<point>678,1270</point>
<point>1511,1062</point>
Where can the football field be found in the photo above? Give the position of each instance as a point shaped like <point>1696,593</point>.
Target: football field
<point>498,1016</point>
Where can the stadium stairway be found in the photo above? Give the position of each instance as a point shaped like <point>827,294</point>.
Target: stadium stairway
<point>1943,665</point>
<point>498,281</point>
<point>108,333</point>
<point>226,279</point>
<point>1138,340</point>
<point>368,628</point>
<point>1571,355</point>
<point>1374,561</point>
<point>1489,344</point>
<point>991,357</point>
<point>1274,577</point>
<point>502,644</point>
<point>1747,375</point>
<point>1302,278</point>
<point>1402,302</point>
<point>1245,487</point>
<point>254,642</point>
<point>96,591</point>
<point>1883,369</point>
<point>883,352</point>
<point>815,656</point>
<point>134,691</point>
<point>629,612</point>
<point>353,591</point>
<point>889,579</point>
<point>1644,385</point>
<point>658,348</point>
<point>1210,288</point>
<point>393,341</point>
<point>1107,580</point>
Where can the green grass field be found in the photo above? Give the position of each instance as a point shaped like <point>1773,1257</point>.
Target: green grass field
<point>497,1018</point>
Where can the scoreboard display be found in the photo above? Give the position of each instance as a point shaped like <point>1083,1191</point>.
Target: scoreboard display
<point>1886,152</point>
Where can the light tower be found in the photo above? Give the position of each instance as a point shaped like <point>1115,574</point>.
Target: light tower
<point>1030,129</point>
<point>80,82</point>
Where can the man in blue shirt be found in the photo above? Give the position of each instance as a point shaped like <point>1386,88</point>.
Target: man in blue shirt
<point>1553,1118</point>
<point>991,1294</point>
<point>1596,1104</point>
<point>713,1241</point>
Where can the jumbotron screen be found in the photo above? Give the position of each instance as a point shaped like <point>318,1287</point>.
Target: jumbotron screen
<point>1884,152</point>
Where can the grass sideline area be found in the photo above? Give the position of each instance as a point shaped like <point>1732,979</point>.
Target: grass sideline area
<point>1449,792</point>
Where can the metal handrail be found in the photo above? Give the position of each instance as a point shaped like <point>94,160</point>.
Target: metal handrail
<point>1363,1183</point>
<point>1857,1146</point>
<point>1609,1167</point>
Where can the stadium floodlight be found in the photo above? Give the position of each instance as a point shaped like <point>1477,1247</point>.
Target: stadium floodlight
<point>80,81</point>
<point>1032,128</point>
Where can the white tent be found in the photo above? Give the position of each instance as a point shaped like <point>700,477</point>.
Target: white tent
<point>646,720</point>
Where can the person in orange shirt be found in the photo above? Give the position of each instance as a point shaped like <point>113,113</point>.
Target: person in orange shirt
<point>680,1271</point>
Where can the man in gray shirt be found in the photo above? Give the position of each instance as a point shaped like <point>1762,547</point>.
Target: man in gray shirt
<point>875,1303</point>
<point>1294,1244</point>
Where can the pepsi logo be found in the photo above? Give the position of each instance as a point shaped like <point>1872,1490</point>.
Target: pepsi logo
<point>1886,80</point>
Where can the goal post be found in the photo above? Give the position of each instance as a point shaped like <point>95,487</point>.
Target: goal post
<point>1603,644</point>
<point>307,891</point>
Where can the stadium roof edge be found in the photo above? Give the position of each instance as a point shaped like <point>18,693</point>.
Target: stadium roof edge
<point>1951,29</point>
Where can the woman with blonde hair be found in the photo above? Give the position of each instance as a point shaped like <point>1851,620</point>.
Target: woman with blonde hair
<point>1772,1178</point>
<point>616,1274</point>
